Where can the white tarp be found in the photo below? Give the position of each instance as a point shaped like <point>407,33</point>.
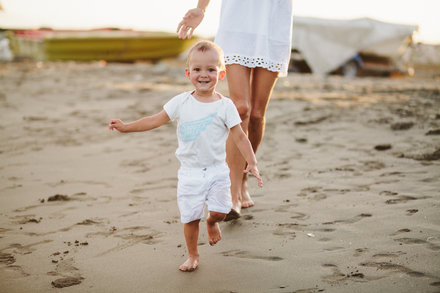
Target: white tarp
<point>326,44</point>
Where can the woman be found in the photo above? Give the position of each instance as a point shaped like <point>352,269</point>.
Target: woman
<point>256,39</point>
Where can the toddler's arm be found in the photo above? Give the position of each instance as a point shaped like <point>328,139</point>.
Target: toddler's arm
<point>245,147</point>
<point>192,19</point>
<point>144,124</point>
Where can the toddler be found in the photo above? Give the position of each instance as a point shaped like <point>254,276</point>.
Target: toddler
<point>205,119</point>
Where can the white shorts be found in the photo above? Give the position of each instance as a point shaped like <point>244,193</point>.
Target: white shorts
<point>198,186</point>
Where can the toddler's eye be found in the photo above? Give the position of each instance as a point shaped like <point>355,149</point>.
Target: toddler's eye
<point>212,70</point>
<point>196,69</point>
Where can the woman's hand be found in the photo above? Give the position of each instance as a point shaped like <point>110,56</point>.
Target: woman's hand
<point>190,21</point>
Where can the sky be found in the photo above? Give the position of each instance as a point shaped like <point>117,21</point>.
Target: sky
<point>164,15</point>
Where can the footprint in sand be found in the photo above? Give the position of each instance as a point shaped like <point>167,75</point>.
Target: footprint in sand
<point>287,234</point>
<point>408,240</point>
<point>306,191</point>
<point>388,193</point>
<point>12,271</point>
<point>141,165</point>
<point>25,209</point>
<point>430,156</point>
<point>285,230</point>
<point>285,208</point>
<point>18,248</point>
<point>369,271</point>
<point>404,199</point>
<point>292,226</point>
<point>69,274</point>
<point>7,258</point>
<point>388,254</point>
<point>282,175</point>
<point>245,254</point>
<point>337,276</point>
<point>338,191</point>
<point>430,179</point>
<point>411,212</point>
<point>132,236</point>
<point>313,193</point>
<point>25,219</point>
<point>388,268</point>
<point>309,290</point>
<point>299,216</point>
<point>350,220</point>
<point>394,173</point>
<point>404,230</point>
<point>312,121</point>
<point>67,282</point>
<point>4,230</point>
<point>372,165</point>
<point>360,251</point>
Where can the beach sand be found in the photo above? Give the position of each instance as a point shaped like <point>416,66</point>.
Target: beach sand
<point>351,201</point>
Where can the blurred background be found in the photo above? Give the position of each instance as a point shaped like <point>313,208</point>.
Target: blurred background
<point>416,34</point>
<point>165,14</point>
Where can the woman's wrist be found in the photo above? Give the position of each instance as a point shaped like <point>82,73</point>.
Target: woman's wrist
<point>202,5</point>
<point>203,10</point>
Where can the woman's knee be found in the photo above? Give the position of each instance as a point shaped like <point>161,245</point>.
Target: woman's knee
<point>257,113</point>
<point>243,110</point>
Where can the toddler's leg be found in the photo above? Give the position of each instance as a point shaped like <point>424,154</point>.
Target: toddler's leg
<point>212,224</point>
<point>191,231</point>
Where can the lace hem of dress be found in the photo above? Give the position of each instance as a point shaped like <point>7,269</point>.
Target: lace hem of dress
<point>252,62</point>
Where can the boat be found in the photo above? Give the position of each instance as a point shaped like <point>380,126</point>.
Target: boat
<point>112,45</point>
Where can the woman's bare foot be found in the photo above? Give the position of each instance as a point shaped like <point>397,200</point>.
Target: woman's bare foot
<point>237,206</point>
<point>235,212</point>
<point>190,264</point>
<point>214,233</point>
<point>246,200</point>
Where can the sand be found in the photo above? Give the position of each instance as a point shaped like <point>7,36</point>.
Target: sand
<point>350,202</point>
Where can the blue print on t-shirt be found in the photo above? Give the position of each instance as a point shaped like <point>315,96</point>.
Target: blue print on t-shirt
<point>190,131</point>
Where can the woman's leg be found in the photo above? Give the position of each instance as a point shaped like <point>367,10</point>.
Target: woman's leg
<point>262,84</point>
<point>191,231</point>
<point>238,77</point>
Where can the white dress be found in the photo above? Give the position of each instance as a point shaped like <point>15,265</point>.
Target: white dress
<point>256,33</point>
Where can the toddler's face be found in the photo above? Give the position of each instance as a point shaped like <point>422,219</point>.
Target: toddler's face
<point>204,70</point>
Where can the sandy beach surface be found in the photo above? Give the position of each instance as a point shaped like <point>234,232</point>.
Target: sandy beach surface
<point>351,201</point>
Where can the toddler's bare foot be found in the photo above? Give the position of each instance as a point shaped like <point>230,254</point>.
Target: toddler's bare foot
<point>246,200</point>
<point>214,233</point>
<point>190,264</point>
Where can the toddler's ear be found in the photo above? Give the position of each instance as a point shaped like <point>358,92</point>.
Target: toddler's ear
<point>187,73</point>
<point>222,75</point>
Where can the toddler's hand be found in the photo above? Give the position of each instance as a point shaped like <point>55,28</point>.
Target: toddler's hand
<point>116,124</point>
<point>254,171</point>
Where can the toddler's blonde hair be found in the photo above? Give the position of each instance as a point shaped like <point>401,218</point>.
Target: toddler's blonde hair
<point>203,46</point>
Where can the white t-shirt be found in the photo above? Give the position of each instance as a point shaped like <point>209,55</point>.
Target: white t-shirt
<point>256,33</point>
<point>202,129</point>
